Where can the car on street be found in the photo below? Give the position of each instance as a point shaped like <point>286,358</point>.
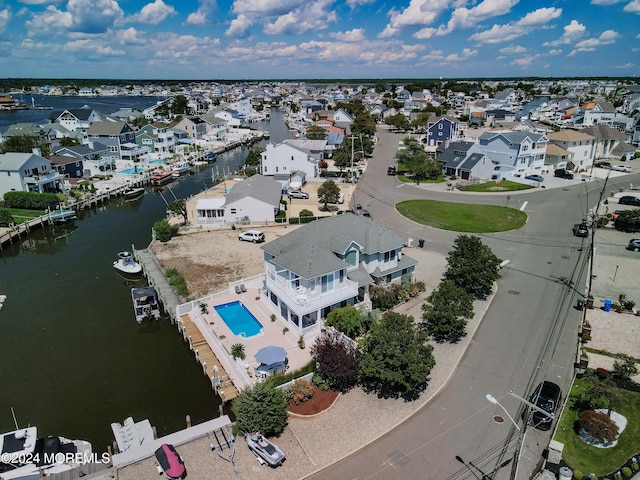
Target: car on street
<point>602,165</point>
<point>562,173</point>
<point>298,194</point>
<point>634,245</point>
<point>362,211</point>
<point>629,200</point>
<point>391,170</point>
<point>581,230</point>
<point>255,236</point>
<point>535,178</point>
<point>546,397</point>
<point>622,168</point>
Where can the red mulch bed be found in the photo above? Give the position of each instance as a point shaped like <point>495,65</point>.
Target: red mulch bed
<point>320,401</point>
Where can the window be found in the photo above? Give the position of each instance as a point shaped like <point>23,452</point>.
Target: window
<point>295,280</point>
<point>341,276</point>
<point>326,283</point>
<point>351,258</point>
<point>232,211</point>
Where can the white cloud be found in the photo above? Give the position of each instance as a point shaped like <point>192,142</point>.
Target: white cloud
<point>5,18</point>
<point>355,35</point>
<point>92,48</point>
<point>94,16</point>
<point>130,36</point>
<point>633,7</point>
<point>467,17</point>
<point>572,33</point>
<point>605,2</point>
<point>425,33</point>
<point>50,19</point>
<point>524,61</point>
<point>499,33</point>
<point>555,51</point>
<point>418,13</point>
<point>153,13</point>
<point>201,15</point>
<point>457,57</point>
<point>513,50</point>
<point>354,3</point>
<point>589,45</point>
<point>239,27</point>
<point>310,16</point>
<point>266,8</point>
<point>40,2</point>
<point>540,16</point>
<point>626,65</point>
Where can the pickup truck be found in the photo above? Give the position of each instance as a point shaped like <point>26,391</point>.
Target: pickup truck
<point>562,173</point>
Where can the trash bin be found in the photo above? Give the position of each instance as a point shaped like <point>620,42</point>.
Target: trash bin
<point>580,304</point>
<point>421,243</point>
<point>607,305</point>
<point>565,473</point>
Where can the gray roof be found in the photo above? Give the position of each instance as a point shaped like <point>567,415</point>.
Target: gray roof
<point>513,137</point>
<point>454,153</point>
<point>472,161</point>
<point>604,132</point>
<point>13,161</point>
<point>24,128</point>
<point>108,128</point>
<point>79,113</point>
<point>258,187</point>
<point>313,249</point>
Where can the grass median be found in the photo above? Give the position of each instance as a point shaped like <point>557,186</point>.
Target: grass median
<point>462,217</point>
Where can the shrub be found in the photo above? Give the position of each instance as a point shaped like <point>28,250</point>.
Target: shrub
<point>626,472</point>
<point>577,474</point>
<point>237,350</point>
<point>31,200</point>
<point>635,467</point>
<point>164,231</point>
<point>598,425</point>
<point>385,298</point>
<point>320,383</point>
<point>306,213</point>
<point>624,368</point>
<point>177,281</point>
<point>299,392</point>
<point>261,408</point>
<point>337,361</point>
<point>6,219</point>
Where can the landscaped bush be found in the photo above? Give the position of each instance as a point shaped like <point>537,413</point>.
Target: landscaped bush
<point>31,200</point>
<point>177,281</point>
<point>598,426</point>
<point>299,392</point>
<point>164,231</point>
<point>6,219</point>
<point>577,474</point>
<point>385,298</point>
<point>626,472</point>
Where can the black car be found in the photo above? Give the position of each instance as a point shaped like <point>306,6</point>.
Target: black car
<point>581,230</point>
<point>634,244</point>
<point>562,173</point>
<point>391,170</point>
<point>546,397</point>
<point>629,200</point>
<point>602,165</point>
<point>535,178</point>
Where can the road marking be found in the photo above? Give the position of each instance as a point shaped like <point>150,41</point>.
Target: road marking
<point>524,205</point>
<point>504,262</point>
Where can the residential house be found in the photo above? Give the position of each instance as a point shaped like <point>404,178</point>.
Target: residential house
<point>255,199</point>
<point>440,130</point>
<point>515,153</point>
<point>287,158</point>
<point>607,139</point>
<point>77,119</point>
<point>343,119</point>
<point>329,263</point>
<point>69,167</point>
<point>158,137</point>
<point>195,127</point>
<point>28,172</point>
<point>119,138</point>
<point>581,144</point>
<point>27,129</point>
<point>467,161</point>
<point>558,157</point>
<point>230,117</point>
<point>499,116</point>
<point>95,157</point>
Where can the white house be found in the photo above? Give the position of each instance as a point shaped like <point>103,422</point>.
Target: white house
<point>329,263</point>
<point>27,172</point>
<point>255,199</point>
<point>287,159</point>
<point>581,144</point>
<point>515,153</point>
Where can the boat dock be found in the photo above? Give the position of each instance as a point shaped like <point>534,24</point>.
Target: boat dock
<point>157,279</point>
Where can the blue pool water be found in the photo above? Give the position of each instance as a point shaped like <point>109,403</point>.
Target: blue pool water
<point>131,171</point>
<point>156,162</point>
<point>239,319</point>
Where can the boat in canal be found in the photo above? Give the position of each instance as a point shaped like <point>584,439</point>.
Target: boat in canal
<point>160,177</point>
<point>133,193</point>
<point>180,169</point>
<point>61,215</point>
<point>127,264</point>
<point>24,456</point>
<point>145,303</point>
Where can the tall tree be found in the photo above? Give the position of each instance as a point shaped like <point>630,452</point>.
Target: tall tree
<point>337,361</point>
<point>445,316</point>
<point>472,266</point>
<point>262,408</point>
<point>25,144</point>
<point>397,358</point>
<point>179,105</point>
<point>315,132</point>
<point>328,192</point>
<point>179,206</point>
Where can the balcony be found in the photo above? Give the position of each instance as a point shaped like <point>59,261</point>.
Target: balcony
<point>302,301</point>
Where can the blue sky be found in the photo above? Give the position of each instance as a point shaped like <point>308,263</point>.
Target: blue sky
<point>266,39</point>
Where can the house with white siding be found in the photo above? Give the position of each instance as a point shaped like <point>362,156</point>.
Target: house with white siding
<point>515,153</point>
<point>580,144</point>
<point>286,158</point>
<point>28,172</point>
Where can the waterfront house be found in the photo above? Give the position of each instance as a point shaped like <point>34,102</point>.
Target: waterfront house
<point>158,137</point>
<point>330,263</point>
<point>254,199</point>
<point>579,143</point>
<point>69,167</point>
<point>195,127</point>
<point>557,157</point>
<point>28,172</point>
<point>515,153</point>
<point>115,135</point>
<point>95,156</point>
<point>286,158</point>
<point>77,119</point>
<point>607,139</point>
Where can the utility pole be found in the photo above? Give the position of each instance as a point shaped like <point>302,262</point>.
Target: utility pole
<point>594,224</point>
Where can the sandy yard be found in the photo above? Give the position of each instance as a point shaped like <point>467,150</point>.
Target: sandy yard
<point>210,260</point>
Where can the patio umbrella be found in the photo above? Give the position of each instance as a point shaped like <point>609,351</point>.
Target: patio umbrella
<point>270,355</point>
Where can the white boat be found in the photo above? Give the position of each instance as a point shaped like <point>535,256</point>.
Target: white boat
<point>132,193</point>
<point>180,168</point>
<point>267,452</point>
<point>132,435</point>
<point>145,303</point>
<point>126,264</point>
<point>61,216</point>
<point>24,456</point>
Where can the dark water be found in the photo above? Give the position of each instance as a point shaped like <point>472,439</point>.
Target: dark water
<point>532,105</point>
<point>72,357</point>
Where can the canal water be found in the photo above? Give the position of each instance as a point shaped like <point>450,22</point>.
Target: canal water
<point>72,357</point>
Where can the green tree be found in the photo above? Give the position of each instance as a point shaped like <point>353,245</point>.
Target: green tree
<point>342,157</point>
<point>624,368</point>
<point>69,142</point>
<point>628,221</point>
<point>399,121</point>
<point>397,358</point>
<point>262,408</point>
<point>24,144</point>
<point>179,105</point>
<point>6,219</point>
<point>315,132</point>
<point>179,207</point>
<point>254,156</point>
<point>328,192</point>
<point>364,124</point>
<point>337,361</point>
<point>472,266</point>
<point>164,231</point>
<point>347,320</point>
<point>445,316</point>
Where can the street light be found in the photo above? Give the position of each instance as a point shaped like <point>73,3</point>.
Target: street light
<point>493,400</point>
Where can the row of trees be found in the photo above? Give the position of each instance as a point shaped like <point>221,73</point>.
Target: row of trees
<point>470,275</point>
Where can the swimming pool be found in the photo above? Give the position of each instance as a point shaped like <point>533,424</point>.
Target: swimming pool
<point>131,171</point>
<point>239,319</point>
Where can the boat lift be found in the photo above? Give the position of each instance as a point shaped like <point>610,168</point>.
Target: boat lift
<point>222,439</point>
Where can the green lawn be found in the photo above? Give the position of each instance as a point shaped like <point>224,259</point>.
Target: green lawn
<point>462,217</point>
<point>496,186</point>
<point>579,455</point>
<point>21,216</point>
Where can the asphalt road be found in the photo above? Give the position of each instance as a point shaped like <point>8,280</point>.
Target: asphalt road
<point>529,334</point>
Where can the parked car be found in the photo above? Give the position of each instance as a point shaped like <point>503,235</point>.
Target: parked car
<point>391,170</point>
<point>562,173</point>
<point>362,211</point>
<point>535,178</point>
<point>602,165</point>
<point>634,244</point>
<point>581,230</point>
<point>629,200</point>
<point>622,168</point>
<point>255,236</point>
<point>298,194</point>
<point>547,397</point>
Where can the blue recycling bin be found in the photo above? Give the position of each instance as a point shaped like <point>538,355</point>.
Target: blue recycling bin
<point>607,305</point>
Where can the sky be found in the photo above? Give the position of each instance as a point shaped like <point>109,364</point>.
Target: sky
<point>316,39</point>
